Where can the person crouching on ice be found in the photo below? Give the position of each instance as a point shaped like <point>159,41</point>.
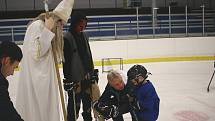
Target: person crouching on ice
<point>114,101</point>
<point>146,101</point>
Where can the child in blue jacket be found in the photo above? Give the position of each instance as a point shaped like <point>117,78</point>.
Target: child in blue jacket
<point>145,99</point>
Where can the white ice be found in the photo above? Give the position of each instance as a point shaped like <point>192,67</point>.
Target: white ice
<point>181,86</point>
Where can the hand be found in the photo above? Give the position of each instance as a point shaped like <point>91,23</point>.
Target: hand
<point>49,23</point>
<point>114,111</point>
<point>94,76</point>
<point>106,111</point>
<point>130,98</point>
<point>69,85</point>
<point>134,103</point>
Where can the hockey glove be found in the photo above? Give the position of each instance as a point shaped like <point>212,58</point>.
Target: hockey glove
<point>106,111</point>
<point>94,76</point>
<point>69,85</point>
<point>134,103</point>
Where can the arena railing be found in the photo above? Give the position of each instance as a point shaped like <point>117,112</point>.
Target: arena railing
<point>120,26</point>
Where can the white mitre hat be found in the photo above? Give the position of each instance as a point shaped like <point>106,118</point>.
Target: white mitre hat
<point>64,9</point>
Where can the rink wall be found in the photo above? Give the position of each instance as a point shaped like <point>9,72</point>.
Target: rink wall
<point>155,50</point>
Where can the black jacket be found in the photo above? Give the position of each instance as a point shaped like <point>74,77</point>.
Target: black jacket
<point>78,57</point>
<point>111,97</point>
<point>7,110</point>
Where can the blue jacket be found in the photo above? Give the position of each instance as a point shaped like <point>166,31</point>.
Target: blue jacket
<point>148,101</point>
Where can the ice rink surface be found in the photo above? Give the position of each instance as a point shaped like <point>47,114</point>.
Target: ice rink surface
<point>181,86</point>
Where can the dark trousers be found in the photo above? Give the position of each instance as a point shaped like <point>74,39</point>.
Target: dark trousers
<point>86,101</point>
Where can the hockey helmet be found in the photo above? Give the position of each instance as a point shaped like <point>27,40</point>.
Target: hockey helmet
<point>137,70</point>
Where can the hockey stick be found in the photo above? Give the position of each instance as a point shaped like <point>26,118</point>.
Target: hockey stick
<point>95,94</point>
<point>74,104</point>
<point>131,108</point>
<point>134,115</point>
<point>57,69</point>
<point>208,89</point>
<point>60,86</point>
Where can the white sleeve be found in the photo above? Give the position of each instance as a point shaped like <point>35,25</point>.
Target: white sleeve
<point>40,39</point>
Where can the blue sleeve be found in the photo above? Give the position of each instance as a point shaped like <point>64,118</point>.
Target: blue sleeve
<point>149,102</point>
<point>145,98</point>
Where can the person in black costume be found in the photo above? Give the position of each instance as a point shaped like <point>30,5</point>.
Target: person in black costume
<point>78,68</point>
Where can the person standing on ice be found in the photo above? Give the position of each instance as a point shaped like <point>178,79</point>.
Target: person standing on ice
<point>145,99</point>
<point>37,94</point>
<point>81,79</point>
<point>10,56</point>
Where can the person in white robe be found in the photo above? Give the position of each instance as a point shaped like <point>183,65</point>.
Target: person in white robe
<point>37,96</point>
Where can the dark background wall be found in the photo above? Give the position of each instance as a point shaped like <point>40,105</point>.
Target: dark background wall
<point>14,5</point>
<point>31,8</point>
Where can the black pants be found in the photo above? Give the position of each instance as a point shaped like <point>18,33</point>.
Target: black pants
<point>86,101</point>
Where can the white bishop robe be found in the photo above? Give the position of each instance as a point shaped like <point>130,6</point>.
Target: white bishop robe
<point>37,95</point>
